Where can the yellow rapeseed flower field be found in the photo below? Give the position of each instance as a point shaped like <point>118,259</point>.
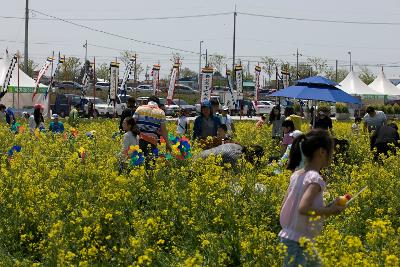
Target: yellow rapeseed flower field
<point>58,208</point>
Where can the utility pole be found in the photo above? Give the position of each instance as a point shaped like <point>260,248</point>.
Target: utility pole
<point>199,79</point>
<point>350,60</point>
<point>85,46</point>
<point>336,70</point>
<point>248,68</point>
<point>234,49</point>
<point>206,58</point>
<point>26,36</point>
<point>297,64</point>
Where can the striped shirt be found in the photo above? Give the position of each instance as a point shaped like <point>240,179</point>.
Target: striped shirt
<point>149,119</point>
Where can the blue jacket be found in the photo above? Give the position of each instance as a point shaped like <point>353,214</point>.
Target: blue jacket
<point>10,118</point>
<point>197,129</point>
<point>56,128</point>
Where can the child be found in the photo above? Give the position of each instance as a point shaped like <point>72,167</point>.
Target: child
<point>303,202</point>
<point>276,119</point>
<point>288,128</point>
<point>131,134</point>
<point>183,123</point>
<point>56,126</point>
<point>355,128</point>
<point>261,122</point>
<point>222,133</point>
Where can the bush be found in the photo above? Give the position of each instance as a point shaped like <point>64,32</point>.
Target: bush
<point>341,108</point>
<point>396,108</point>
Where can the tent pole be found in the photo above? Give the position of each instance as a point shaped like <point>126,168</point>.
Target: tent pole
<point>18,82</point>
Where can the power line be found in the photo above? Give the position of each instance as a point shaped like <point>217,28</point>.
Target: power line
<point>112,34</point>
<point>322,20</point>
<point>129,19</point>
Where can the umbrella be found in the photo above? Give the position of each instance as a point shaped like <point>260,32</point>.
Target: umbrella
<point>317,88</point>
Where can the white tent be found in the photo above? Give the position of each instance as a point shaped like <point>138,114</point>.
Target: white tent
<point>398,86</point>
<point>20,91</point>
<point>384,86</point>
<point>353,85</point>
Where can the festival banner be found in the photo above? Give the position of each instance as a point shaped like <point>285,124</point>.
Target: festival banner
<point>172,82</point>
<point>61,60</point>
<point>156,77</point>
<point>230,100</point>
<point>285,77</point>
<point>114,70</point>
<point>257,82</point>
<point>206,83</point>
<point>42,71</point>
<point>239,81</point>
<point>127,74</point>
<point>10,70</point>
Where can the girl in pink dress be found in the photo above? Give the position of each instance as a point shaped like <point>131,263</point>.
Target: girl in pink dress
<point>303,208</point>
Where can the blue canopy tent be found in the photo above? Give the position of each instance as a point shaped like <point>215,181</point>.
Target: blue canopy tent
<point>319,89</point>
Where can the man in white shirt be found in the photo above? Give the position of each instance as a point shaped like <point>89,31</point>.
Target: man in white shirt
<point>227,120</point>
<point>374,119</point>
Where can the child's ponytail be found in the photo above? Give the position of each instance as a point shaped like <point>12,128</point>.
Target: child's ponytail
<point>296,154</point>
<point>304,146</point>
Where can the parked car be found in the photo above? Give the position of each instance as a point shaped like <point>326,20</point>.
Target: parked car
<point>102,86</point>
<point>262,107</point>
<point>68,85</point>
<point>101,108</point>
<point>144,88</point>
<point>183,89</point>
<point>182,104</point>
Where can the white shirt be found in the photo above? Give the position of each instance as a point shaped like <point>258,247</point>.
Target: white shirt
<point>182,125</point>
<point>227,120</point>
<point>129,140</point>
<point>32,123</point>
<point>376,121</point>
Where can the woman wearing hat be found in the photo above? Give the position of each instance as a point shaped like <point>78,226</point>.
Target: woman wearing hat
<point>36,121</point>
<point>206,124</point>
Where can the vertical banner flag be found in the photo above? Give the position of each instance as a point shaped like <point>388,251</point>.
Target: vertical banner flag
<point>171,88</point>
<point>114,70</point>
<point>61,60</point>
<point>285,77</point>
<point>257,82</point>
<point>206,83</point>
<point>230,100</point>
<point>86,79</point>
<point>42,71</point>
<point>156,77</point>
<point>10,70</point>
<point>127,75</point>
<point>239,81</point>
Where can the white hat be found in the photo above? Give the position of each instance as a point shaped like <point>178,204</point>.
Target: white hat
<point>296,133</point>
<point>55,116</point>
<point>225,108</point>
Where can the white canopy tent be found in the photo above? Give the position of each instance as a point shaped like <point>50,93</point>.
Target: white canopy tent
<point>20,91</point>
<point>353,85</point>
<point>384,86</point>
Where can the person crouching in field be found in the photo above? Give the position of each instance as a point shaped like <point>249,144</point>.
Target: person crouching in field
<point>131,138</point>
<point>385,140</point>
<point>303,208</point>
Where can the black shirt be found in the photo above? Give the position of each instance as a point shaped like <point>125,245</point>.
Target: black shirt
<point>323,123</point>
<point>385,134</point>
<point>128,112</point>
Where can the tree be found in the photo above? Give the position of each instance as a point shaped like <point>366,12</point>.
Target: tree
<point>318,64</point>
<point>70,70</point>
<point>218,62</point>
<point>32,66</point>
<point>175,57</point>
<point>341,74</point>
<point>269,66</point>
<point>366,75</point>
<point>103,72</point>
<point>187,73</point>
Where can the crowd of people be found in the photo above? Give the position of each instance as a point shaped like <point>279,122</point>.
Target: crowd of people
<point>304,154</point>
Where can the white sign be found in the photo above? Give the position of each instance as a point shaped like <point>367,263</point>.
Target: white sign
<point>156,77</point>
<point>10,70</point>
<point>230,100</point>
<point>239,82</point>
<point>172,82</point>
<point>206,83</point>
<point>257,82</point>
<point>127,73</point>
<point>114,69</point>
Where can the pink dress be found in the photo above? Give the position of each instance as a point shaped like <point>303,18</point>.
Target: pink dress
<point>295,225</point>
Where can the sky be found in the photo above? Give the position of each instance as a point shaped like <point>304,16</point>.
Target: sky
<point>256,36</point>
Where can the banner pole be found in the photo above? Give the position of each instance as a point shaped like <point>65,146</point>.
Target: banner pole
<point>94,87</point>
<point>18,81</point>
